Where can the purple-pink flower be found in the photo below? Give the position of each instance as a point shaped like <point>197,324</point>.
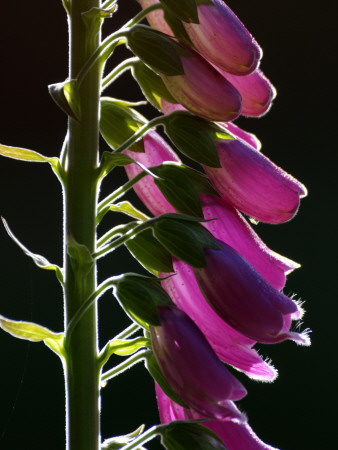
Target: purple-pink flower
<point>253,184</point>
<point>192,368</point>
<point>235,435</point>
<point>222,39</point>
<point>203,90</point>
<point>256,91</point>
<point>245,300</point>
<point>230,346</point>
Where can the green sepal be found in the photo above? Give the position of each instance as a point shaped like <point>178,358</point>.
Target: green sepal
<point>67,97</point>
<point>139,297</point>
<point>155,371</point>
<point>177,28</point>
<point>180,435</point>
<point>80,257</point>
<point>111,160</point>
<point>151,85</point>
<point>150,253</point>
<point>117,442</point>
<point>184,239</point>
<point>119,122</point>
<point>195,137</point>
<point>159,51</point>
<point>39,260</point>
<point>30,331</point>
<point>185,10</point>
<point>181,186</point>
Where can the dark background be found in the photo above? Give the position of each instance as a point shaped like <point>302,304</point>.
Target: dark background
<point>299,133</point>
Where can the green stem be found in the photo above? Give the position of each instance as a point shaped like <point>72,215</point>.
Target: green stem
<point>128,331</point>
<point>125,365</point>
<point>117,231</point>
<point>118,71</point>
<point>82,375</point>
<point>142,14</point>
<point>144,437</point>
<point>141,131</point>
<point>121,240</point>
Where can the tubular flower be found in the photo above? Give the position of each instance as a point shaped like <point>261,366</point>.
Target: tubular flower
<point>156,151</point>
<point>191,367</point>
<point>230,346</point>
<point>222,39</point>
<point>230,227</point>
<point>245,300</point>
<point>203,90</point>
<point>235,435</point>
<point>256,90</point>
<point>252,183</point>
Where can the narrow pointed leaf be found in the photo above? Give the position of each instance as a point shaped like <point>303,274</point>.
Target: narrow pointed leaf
<point>66,96</point>
<point>39,260</point>
<point>183,435</point>
<point>117,442</point>
<point>128,209</point>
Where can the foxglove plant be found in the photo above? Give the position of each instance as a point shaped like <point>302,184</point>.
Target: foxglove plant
<point>213,287</point>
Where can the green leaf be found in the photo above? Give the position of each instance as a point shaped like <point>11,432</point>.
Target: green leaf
<point>122,348</point>
<point>119,122</point>
<point>179,435</point>
<point>30,331</point>
<point>67,97</point>
<point>195,137</point>
<point>157,50</point>
<point>185,240</point>
<point>150,253</point>
<point>185,10</point>
<point>139,297</point>
<point>181,186</point>
<point>178,190</point>
<point>117,442</point>
<point>128,209</point>
<point>39,260</point>
<point>177,28</point>
<point>155,371</point>
<point>151,85</point>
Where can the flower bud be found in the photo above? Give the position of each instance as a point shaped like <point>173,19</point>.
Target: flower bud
<point>245,300</point>
<point>191,367</point>
<point>203,90</point>
<point>256,90</point>
<point>222,39</point>
<point>156,18</point>
<point>252,183</point>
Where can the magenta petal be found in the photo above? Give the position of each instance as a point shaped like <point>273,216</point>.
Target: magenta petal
<point>230,227</point>
<point>244,299</point>
<point>190,365</point>
<point>237,132</point>
<point>256,90</point>
<point>252,183</point>
<point>235,435</point>
<point>156,151</point>
<point>156,18</point>
<point>203,90</point>
<point>223,40</point>
<point>229,345</point>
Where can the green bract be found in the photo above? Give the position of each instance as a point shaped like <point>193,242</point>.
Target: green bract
<point>139,297</point>
<point>160,52</point>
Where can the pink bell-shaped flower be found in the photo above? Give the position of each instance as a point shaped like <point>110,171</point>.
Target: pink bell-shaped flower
<point>245,300</point>
<point>253,184</point>
<point>221,38</point>
<point>203,90</point>
<point>192,368</point>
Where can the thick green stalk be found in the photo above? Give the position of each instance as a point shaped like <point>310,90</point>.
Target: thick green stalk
<point>81,368</point>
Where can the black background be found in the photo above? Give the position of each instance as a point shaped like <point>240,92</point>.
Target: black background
<point>299,133</point>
